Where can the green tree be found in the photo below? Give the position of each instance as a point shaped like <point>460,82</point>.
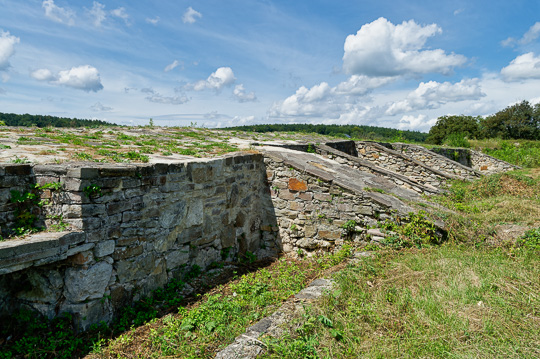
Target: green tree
<point>519,121</point>
<point>447,126</point>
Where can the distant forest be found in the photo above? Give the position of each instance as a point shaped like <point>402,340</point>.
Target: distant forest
<point>12,119</point>
<point>350,131</point>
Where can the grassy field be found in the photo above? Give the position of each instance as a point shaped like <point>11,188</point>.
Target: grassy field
<point>453,301</point>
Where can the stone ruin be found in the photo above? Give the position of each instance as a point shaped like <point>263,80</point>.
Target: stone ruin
<point>135,227</point>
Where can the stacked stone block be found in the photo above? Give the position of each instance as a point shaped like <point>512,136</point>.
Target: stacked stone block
<point>147,224</point>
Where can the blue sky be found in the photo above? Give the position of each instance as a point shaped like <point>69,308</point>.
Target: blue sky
<point>398,64</point>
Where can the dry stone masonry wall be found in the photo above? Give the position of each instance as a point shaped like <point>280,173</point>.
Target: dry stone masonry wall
<point>363,165</point>
<point>311,212</point>
<point>436,161</point>
<point>486,164</point>
<point>397,162</point>
<point>150,223</point>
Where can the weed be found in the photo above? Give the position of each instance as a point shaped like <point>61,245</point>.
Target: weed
<point>248,258</point>
<point>349,228</point>
<point>59,225</point>
<point>28,204</point>
<point>193,272</point>
<point>225,252</point>
<point>83,156</point>
<point>19,160</point>
<point>92,191</point>
<point>530,240</point>
<point>412,230</point>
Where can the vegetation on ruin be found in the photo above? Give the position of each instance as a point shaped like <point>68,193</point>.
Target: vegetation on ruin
<point>167,323</point>
<point>29,208</point>
<point>475,295</point>
<point>115,144</point>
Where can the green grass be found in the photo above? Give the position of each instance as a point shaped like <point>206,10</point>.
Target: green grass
<point>197,332</point>
<point>449,302</point>
<point>519,152</point>
<point>479,206</point>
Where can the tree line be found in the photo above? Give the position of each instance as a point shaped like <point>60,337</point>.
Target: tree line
<point>348,131</point>
<point>519,121</point>
<point>27,120</point>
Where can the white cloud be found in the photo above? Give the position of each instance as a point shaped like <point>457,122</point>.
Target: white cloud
<point>84,78</point>
<point>322,100</point>
<point>223,76</point>
<point>99,107</point>
<point>171,66</point>
<point>121,13</point>
<point>156,97</point>
<point>153,21</point>
<point>241,120</point>
<point>43,75</point>
<point>523,67</point>
<point>359,85</point>
<point>458,11</point>
<point>7,48</point>
<point>240,94</point>
<point>432,94</point>
<point>381,48</point>
<point>531,35</point>
<point>98,13</point>
<point>416,123</point>
<point>58,14</point>
<point>190,16</point>
<point>305,102</point>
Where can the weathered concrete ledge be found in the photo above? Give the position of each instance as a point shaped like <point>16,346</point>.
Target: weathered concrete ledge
<point>40,249</point>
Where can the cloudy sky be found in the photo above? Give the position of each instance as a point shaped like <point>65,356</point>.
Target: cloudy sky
<point>218,63</point>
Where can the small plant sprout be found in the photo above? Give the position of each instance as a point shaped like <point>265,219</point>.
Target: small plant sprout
<point>92,191</point>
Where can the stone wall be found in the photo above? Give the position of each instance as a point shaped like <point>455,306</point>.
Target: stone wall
<point>402,164</point>
<point>436,161</point>
<point>488,165</point>
<point>13,177</point>
<point>312,206</point>
<point>460,155</point>
<point>150,224</point>
<point>363,165</point>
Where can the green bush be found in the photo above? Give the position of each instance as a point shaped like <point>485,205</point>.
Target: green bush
<point>457,140</point>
